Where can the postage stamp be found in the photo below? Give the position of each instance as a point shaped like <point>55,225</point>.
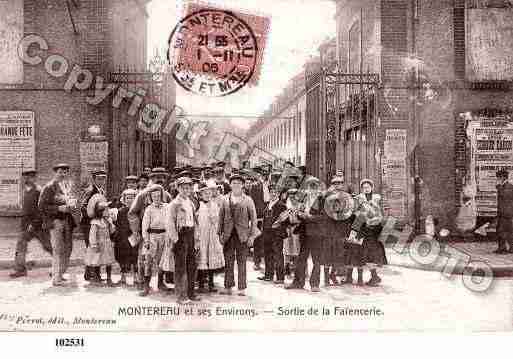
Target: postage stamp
<point>215,52</point>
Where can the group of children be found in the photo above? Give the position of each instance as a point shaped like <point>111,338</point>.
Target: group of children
<point>111,239</point>
<point>346,230</point>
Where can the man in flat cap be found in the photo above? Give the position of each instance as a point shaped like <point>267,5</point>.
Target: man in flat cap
<point>504,230</point>
<point>31,224</point>
<point>136,213</point>
<point>237,224</point>
<point>55,205</point>
<point>180,230</point>
<point>98,186</point>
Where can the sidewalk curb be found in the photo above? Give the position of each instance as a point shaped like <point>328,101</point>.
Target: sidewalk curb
<point>405,261</point>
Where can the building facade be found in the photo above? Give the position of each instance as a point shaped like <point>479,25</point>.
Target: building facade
<point>282,129</point>
<point>439,120</point>
<point>105,37</point>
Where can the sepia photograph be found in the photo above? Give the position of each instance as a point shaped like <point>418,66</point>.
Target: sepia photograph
<point>255,166</point>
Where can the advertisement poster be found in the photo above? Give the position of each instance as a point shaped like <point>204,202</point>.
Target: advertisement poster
<point>93,157</point>
<point>10,190</point>
<point>394,172</point>
<point>17,144</point>
<point>492,149</point>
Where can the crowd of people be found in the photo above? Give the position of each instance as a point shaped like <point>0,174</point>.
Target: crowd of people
<point>189,224</point>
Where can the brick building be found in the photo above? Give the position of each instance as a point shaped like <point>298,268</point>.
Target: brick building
<point>444,94</point>
<point>107,37</point>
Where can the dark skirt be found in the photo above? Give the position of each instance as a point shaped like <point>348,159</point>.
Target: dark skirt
<point>373,250</point>
<point>333,251</point>
<point>125,254</point>
<point>353,256</point>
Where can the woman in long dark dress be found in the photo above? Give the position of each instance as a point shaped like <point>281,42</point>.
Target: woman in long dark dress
<point>373,251</point>
<point>125,254</point>
<point>339,207</point>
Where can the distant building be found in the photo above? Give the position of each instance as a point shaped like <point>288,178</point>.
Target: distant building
<point>281,130</point>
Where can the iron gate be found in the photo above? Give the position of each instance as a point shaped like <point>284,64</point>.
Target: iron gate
<point>342,112</point>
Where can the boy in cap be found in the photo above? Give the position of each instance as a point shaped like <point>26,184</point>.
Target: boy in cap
<point>98,186</point>
<point>31,224</point>
<point>180,230</point>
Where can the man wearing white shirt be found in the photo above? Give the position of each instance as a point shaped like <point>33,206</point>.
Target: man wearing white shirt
<point>180,229</point>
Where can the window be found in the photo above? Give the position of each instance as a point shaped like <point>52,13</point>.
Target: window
<point>299,124</point>
<point>354,48</point>
<point>416,9</point>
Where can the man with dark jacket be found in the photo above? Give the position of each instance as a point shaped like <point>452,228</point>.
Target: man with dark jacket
<point>55,205</point>
<point>504,213</point>
<point>273,239</point>
<point>31,225</point>
<point>237,224</point>
<point>312,232</point>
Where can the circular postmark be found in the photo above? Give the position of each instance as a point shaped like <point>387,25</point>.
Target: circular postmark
<point>212,52</point>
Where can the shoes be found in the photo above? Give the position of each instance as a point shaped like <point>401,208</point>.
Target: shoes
<point>500,251</point>
<point>184,301</point>
<point>241,293</point>
<point>346,281</point>
<point>195,298</point>
<point>264,278</point>
<point>145,292</point>
<point>333,278</point>
<point>315,290</point>
<point>18,274</point>
<point>58,283</point>
<point>279,281</point>
<point>293,286</point>
<point>360,282</point>
<point>374,281</point>
<point>164,289</point>
<point>212,290</point>
<point>110,283</point>
<point>257,267</point>
<point>203,290</point>
<point>226,291</point>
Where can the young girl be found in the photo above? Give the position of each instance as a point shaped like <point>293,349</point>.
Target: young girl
<point>210,257</point>
<point>125,253</point>
<point>155,251</point>
<point>101,250</point>
<point>373,251</point>
<point>290,219</point>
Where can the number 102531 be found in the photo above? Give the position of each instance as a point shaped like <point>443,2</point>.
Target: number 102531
<point>69,342</point>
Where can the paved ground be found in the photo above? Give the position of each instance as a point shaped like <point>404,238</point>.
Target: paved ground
<point>35,252</point>
<point>408,299</point>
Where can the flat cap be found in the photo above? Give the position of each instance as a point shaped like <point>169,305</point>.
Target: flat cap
<point>63,166</point>
<point>183,180</point>
<point>29,173</point>
<point>159,171</point>
<point>236,177</point>
<point>99,173</point>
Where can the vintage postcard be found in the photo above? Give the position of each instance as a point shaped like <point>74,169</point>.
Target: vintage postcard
<point>263,166</point>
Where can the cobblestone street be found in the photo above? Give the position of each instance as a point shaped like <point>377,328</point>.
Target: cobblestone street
<point>408,299</point>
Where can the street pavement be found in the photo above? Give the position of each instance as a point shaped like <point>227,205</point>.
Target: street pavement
<point>408,299</point>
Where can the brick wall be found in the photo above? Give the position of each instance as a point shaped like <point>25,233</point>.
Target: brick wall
<point>62,118</point>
